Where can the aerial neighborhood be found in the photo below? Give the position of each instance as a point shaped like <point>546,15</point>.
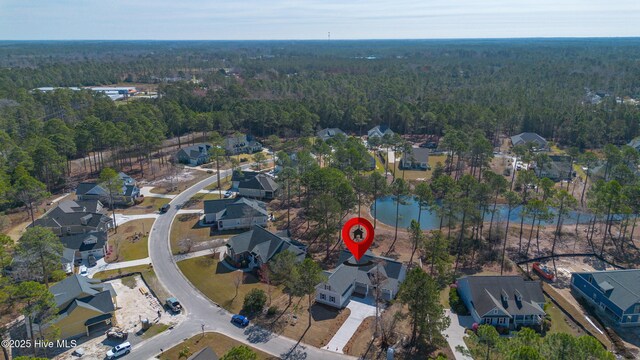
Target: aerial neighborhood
<point>305,201</point>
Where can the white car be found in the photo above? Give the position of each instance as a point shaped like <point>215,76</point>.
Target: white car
<point>83,271</point>
<point>119,350</point>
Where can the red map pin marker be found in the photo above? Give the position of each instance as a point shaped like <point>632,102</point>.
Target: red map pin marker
<point>357,248</point>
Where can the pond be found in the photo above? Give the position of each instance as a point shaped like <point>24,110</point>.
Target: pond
<point>386,213</point>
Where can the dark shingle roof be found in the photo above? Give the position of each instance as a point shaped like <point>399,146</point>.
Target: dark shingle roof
<point>76,286</point>
<point>263,243</point>
<point>194,151</point>
<point>624,285</point>
<point>243,175</point>
<point>328,133</point>
<point>487,291</point>
<point>384,129</point>
<point>259,182</point>
<point>85,187</point>
<point>418,154</point>
<point>342,278</point>
<point>528,137</point>
<point>95,239</point>
<point>69,213</point>
<point>237,208</point>
<point>204,354</point>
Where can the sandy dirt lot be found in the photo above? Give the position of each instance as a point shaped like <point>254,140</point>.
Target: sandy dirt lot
<point>132,306</point>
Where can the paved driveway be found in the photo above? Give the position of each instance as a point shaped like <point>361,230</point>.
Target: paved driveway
<point>455,333</point>
<point>360,309</point>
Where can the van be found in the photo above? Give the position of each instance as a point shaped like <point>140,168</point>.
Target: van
<point>119,350</point>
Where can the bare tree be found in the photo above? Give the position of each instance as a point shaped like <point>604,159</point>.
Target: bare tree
<point>237,281</point>
<point>186,245</point>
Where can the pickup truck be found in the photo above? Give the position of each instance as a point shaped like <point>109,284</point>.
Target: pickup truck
<point>173,304</point>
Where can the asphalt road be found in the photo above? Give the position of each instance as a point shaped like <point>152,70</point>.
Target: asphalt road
<point>199,309</point>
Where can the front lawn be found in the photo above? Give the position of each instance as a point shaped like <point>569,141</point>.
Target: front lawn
<point>131,241</point>
<point>148,206</point>
<point>217,281</point>
<point>187,226</point>
<point>219,343</point>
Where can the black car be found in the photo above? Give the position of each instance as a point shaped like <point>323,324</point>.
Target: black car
<point>429,145</point>
<point>164,208</point>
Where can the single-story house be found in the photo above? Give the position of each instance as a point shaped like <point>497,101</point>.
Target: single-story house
<point>85,305</point>
<point>559,168</point>
<point>258,246</point>
<point>85,244</point>
<point>615,293</point>
<point>537,142</point>
<point>241,144</point>
<point>254,185</point>
<point>507,301</point>
<point>329,133</point>
<point>206,353</point>
<point>238,213</point>
<point>127,195</point>
<point>380,131</point>
<point>76,217</point>
<point>194,155</point>
<point>416,159</point>
<point>346,280</point>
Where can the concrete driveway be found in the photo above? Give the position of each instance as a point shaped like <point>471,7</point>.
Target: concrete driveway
<point>455,333</point>
<point>360,309</point>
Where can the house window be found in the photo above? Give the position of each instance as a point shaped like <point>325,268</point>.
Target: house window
<point>501,321</point>
<point>636,309</point>
<point>327,287</point>
<point>332,299</point>
<point>323,297</point>
<point>495,311</point>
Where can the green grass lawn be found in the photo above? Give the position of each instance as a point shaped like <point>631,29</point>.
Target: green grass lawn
<point>219,343</point>
<point>444,297</point>
<point>560,323</point>
<point>217,282</point>
<point>154,330</point>
<point>578,169</point>
<point>148,275</point>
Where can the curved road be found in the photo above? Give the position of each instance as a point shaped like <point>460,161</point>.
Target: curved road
<point>199,309</point>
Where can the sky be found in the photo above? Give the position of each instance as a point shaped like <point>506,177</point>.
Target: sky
<point>314,19</point>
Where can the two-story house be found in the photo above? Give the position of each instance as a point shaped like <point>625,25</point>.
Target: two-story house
<point>507,301</point>
<point>93,243</point>
<point>615,293</point>
<point>194,155</point>
<point>127,195</point>
<point>346,280</point>
<point>241,144</point>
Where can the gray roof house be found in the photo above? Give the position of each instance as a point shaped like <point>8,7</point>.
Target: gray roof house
<point>380,131</point>
<point>635,143</point>
<point>241,144</point>
<point>257,246</point>
<point>238,213</point>
<point>84,305</point>
<point>329,133</point>
<point>255,185</point>
<point>76,217</point>
<point>194,155</point>
<point>20,270</point>
<point>416,159</point>
<point>129,192</point>
<point>528,138</point>
<point>346,280</point>
<point>204,354</point>
<point>615,293</point>
<point>85,244</point>
<point>559,168</point>
<point>507,301</point>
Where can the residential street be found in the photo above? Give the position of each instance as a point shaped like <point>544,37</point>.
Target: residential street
<point>199,309</point>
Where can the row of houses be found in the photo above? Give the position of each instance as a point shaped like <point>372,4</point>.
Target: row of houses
<point>199,154</point>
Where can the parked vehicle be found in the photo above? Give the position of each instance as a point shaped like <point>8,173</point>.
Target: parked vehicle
<point>240,320</point>
<point>119,350</point>
<point>83,271</point>
<point>228,194</point>
<point>165,208</point>
<point>544,271</point>
<point>92,260</point>
<point>173,304</point>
